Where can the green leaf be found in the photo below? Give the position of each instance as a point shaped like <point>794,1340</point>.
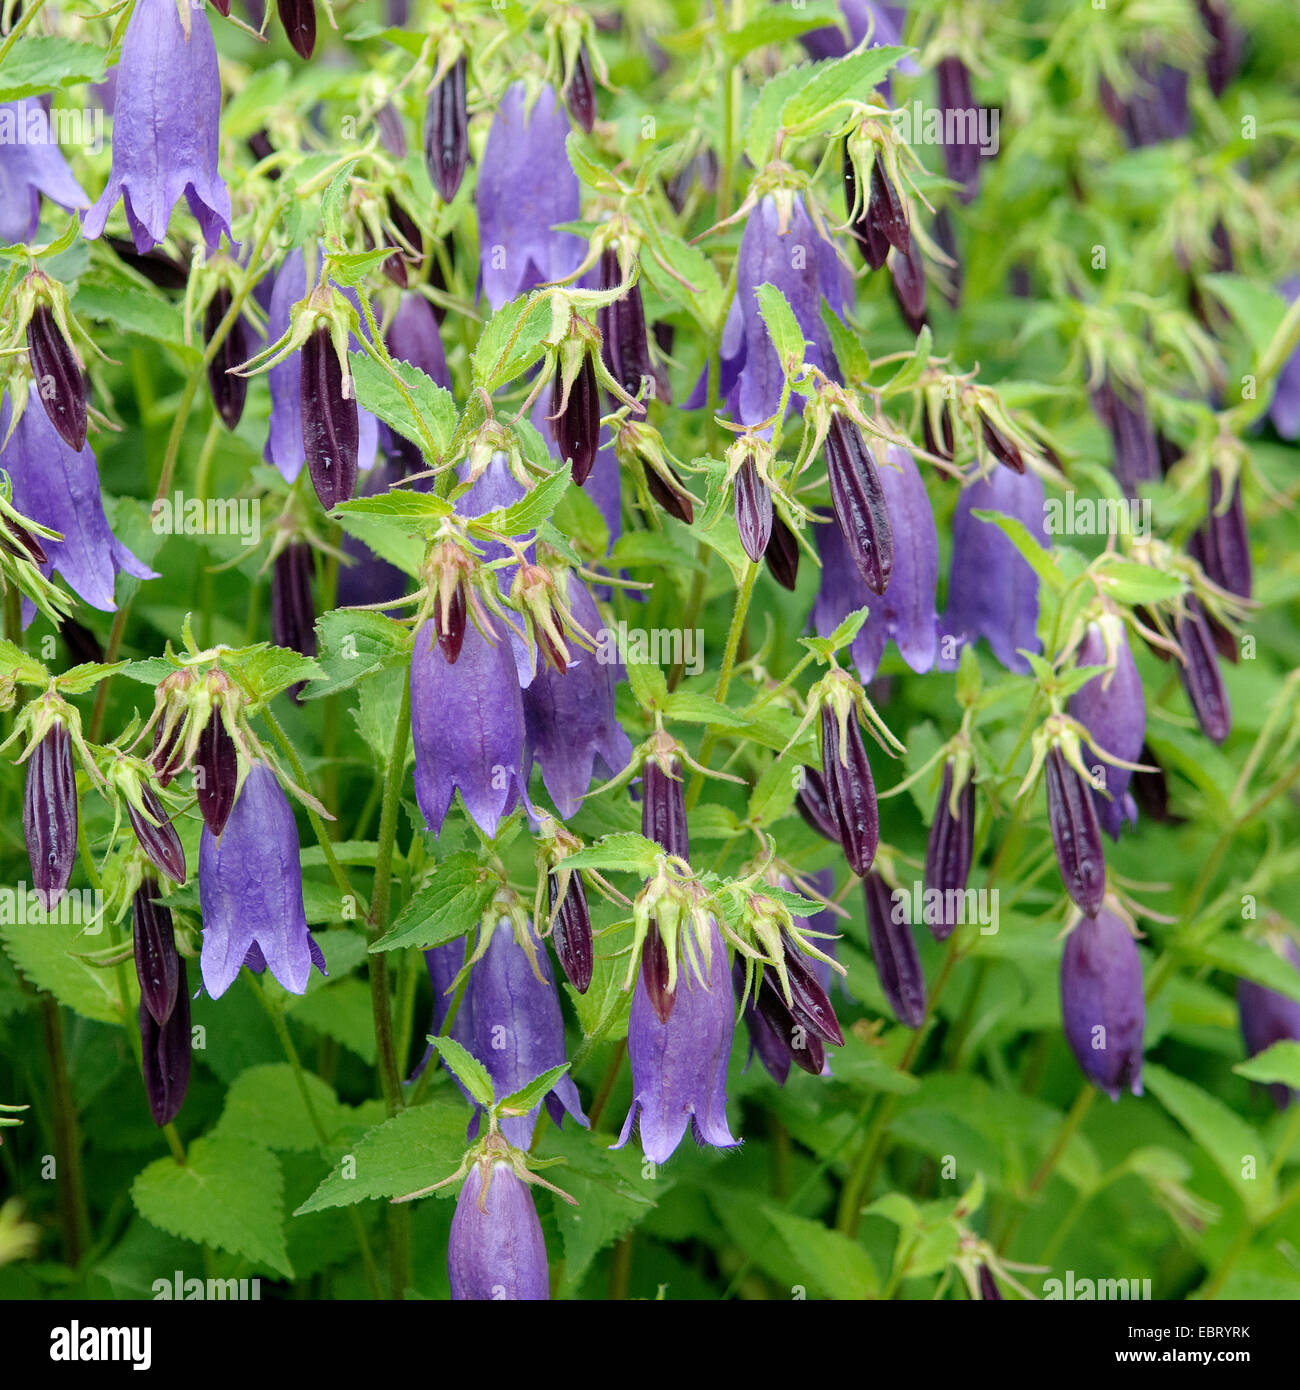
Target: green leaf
<point>649,687</point>
<point>342,1010</point>
<point>23,668</point>
<point>851,76</point>
<point>1135,584</point>
<point>47,954</point>
<point>135,311</point>
<point>1279,1064</point>
<point>446,908</point>
<point>530,511</point>
<point>229,1194</point>
<point>511,341</point>
<point>77,680</point>
<point>1252,960</point>
<point>632,854</point>
<point>466,1068</point>
<point>415,1148</point>
<point>836,1266</point>
<point>765,114</point>
<point>41,63</point>
<point>1222,1133</point>
<point>331,203</point>
<point>265,1106</point>
<point>520,1102</point>
<point>778,25</point>
<point>267,671</point>
<point>1256,309</point>
<point>688,707</point>
<point>378,392</point>
<point>354,645</point>
<point>782,326</point>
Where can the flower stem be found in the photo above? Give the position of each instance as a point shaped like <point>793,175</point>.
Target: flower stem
<point>67,1140</point>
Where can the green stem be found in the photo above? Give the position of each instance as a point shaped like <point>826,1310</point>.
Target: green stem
<point>67,1139</point>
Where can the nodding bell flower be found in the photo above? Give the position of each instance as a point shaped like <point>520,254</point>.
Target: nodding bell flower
<point>165,127</point>
<point>50,797</point>
<point>526,188</point>
<point>299,20</point>
<point>1284,409</point>
<point>1201,675</point>
<point>330,427</point>
<point>1222,544</point>
<point>58,487</point>
<point>951,843</point>
<point>962,157</point>
<point>1071,811</point>
<point>571,928</point>
<point>812,801</point>
<point>1122,410</point>
<point>157,965</point>
<point>30,166</point>
<point>663,802</point>
<point>1112,708</point>
<point>894,953</point>
<point>679,1066</point>
<point>782,555</point>
<point>575,408</point>
<point>1102,1004</point>
<point>992,588</point>
<point>495,1249</point>
<point>640,449</point>
<point>250,891</point>
<point>569,713</point>
<point>1153,107</point>
<point>624,345</point>
<point>858,500</point>
<point>57,369</point>
<point>165,1053</point>
<point>467,723</point>
<point>580,90</point>
<point>1268,1017</point>
<point>905,611</point>
<point>446,126</point>
<point>229,389</point>
<point>195,725</point>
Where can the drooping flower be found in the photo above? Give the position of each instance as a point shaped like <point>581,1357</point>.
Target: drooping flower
<point>1102,1005</point>
<point>165,135</point>
<point>495,1249</point>
<point>1113,710</point>
<point>858,501</point>
<point>1284,411</point>
<point>526,187</point>
<point>229,390</point>
<point>50,813</point>
<point>850,789</point>
<point>1269,1017</point>
<point>679,1068</point>
<point>165,1051</point>
<point>153,943</point>
<point>467,722</point>
<point>949,849</point>
<point>31,163</point>
<point>570,716</point>
<point>446,132</point>
<point>962,157</point>
<point>1076,833</point>
<point>894,953</point>
<point>992,589</point>
<point>571,935</point>
<point>59,487</point>
<point>250,891</point>
<point>1136,454</point>
<point>905,612</point>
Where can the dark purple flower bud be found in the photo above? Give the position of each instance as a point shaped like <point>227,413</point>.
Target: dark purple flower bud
<point>293,609</point>
<point>216,773</point>
<point>451,634</point>
<point>156,266</point>
<point>496,1249</point>
<point>467,724</point>
<point>782,554</point>
<point>1223,61</point>
<point>576,421</point>
<point>1151,790</point>
<point>850,790</point>
<point>50,814</point>
<point>943,445</point>
<point>1222,545</point>
<point>679,1066</point>
<point>1123,412</point>
<point>893,950</point>
<point>250,890</point>
<point>663,808</point>
<point>59,382</point>
<point>165,128</point>
<point>165,1053</point>
<point>809,1002</point>
<point>168,751</point>
<point>773,1031</point>
<point>813,804</point>
<point>989,1291</point>
<point>580,93</point>
<point>160,842</point>
<point>571,934</point>
<point>1102,1004</point>
<point>1076,834</point>
<point>1200,672</point>
<point>992,589</point>
<point>948,850</point>
<point>329,422</point>
<point>299,20</point>
<point>907,277</point>
<point>32,167</point>
<point>961,156</point>
<point>859,502</point>
<point>22,544</point>
<point>1112,708</point>
<point>228,391</point>
<point>446,132</point>
<point>1268,1017</point>
<point>624,346</point>
<point>753,510</point>
<point>950,282</point>
<point>675,503</point>
<point>1001,445</point>
<point>157,966</point>
<point>866,228</point>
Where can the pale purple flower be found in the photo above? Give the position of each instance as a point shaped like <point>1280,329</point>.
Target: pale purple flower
<point>31,163</point>
<point>1116,717</point>
<point>165,128</point>
<point>679,1068</point>
<point>905,612</point>
<point>526,187</point>
<point>1268,1017</point>
<point>992,590</point>
<point>250,891</point>
<point>55,485</point>
<point>1285,409</point>
<point>496,1251</point>
<point>1102,1004</point>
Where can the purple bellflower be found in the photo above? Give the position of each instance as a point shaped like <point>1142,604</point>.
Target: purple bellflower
<point>1102,1004</point>
<point>165,128</point>
<point>679,1068</point>
<point>496,1250</point>
<point>1112,708</point>
<point>1268,1017</point>
<point>905,612</point>
<point>992,590</point>
<point>570,716</point>
<point>526,188</point>
<point>1285,408</point>
<point>59,487</point>
<point>31,163</point>
<point>250,891</point>
<point>467,721</point>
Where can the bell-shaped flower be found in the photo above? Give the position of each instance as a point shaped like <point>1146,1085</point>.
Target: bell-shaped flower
<point>165,127</point>
<point>250,891</point>
<point>526,188</point>
<point>1285,408</point>
<point>31,163</point>
<point>1102,1004</point>
<point>679,1068</point>
<point>905,611</point>
<point>992,589</point>
<point>1113,710</point>
<point>467,722</point>
<point>495,1249</point>
<point>1268,1016</point>
<point>570,716</point>
<point>59,487</point>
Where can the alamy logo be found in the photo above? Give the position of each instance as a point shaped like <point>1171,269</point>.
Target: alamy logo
<point>1072,515</point>
<point>1102,1289</point>
<point>660,646</point>
<point>179,515</point>
<point>919,124</point>
<point>77,1343</point>
<point>35,126</point>
<point>79,907</point>
<point>955,907</point>
<point>178,1288</point>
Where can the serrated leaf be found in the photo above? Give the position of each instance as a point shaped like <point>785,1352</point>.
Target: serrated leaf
<point>687,707</point>
<point>838,1267</point>
<point>531,510</point>
<point>47,954</point>
<point>445,909</point>
<point>41,63</point>
<point>631,853</point>
<point>520,1102</point>
<point>782,326</point>
<point>378,392</point>
<point>466,1068</point>
<point>265,1106</point>
<point>354,645</point>
<point>851,76</point>
<point>511,341</point>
